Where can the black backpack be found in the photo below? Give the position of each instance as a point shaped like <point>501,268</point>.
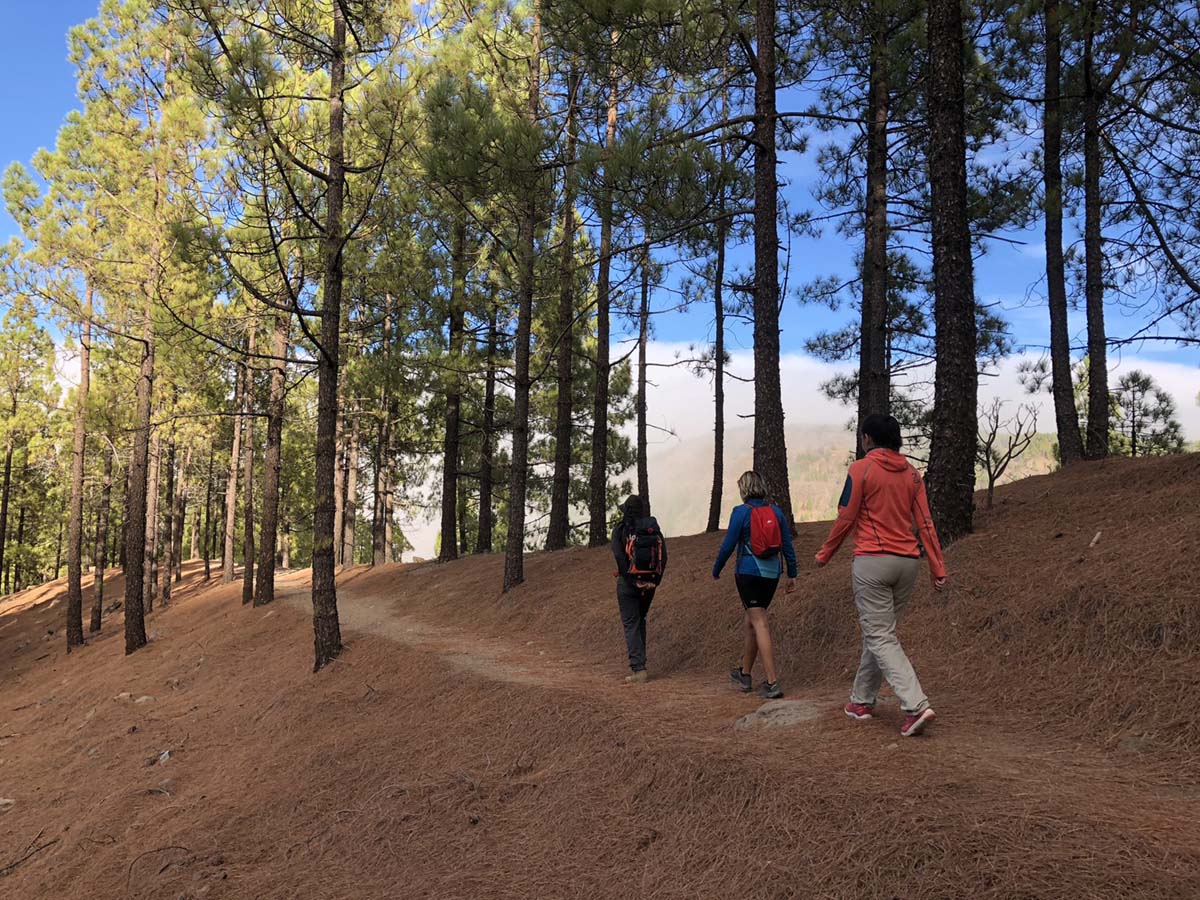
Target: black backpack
<point>644,547</point>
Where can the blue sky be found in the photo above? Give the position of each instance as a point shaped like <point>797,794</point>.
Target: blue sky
<point>37,88</point>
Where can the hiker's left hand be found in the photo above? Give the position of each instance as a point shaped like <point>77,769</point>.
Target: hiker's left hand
<point>791,586</point>
<point>821,563</point>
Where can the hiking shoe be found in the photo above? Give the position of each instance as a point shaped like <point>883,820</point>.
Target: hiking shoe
<point>769,690</point>
<point>638,677</point>
<point>859,711</point>
<point>914,725</point>
<point>741,679</point>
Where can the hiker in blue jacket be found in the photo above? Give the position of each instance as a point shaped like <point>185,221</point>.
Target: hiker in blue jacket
<point>758,525</point>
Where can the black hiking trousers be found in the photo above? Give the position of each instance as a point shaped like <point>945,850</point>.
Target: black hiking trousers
<point>634,603</point>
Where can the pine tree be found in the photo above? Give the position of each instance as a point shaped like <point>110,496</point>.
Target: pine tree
<point>951,475</point>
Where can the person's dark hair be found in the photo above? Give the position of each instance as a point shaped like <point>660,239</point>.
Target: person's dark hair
<point>633,508</point>
<point>883,430</point>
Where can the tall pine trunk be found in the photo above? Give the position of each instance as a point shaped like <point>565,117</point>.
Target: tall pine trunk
<point>18,584</point>
<point>350,503</point>
<point>339,482</point>
<point>135,503</point>
<point>451,437</point>
<point>1093,244</point>
<point>514,556</point>
<point>874,381</point>
<point>101,553</point>
<point>464,545</point>
<point>169,524</point>
<point>718,479</point>
<point>379,505</point>
<point>389,508</point>
<point>327,634</point>
<point>79,445</point>
<point>643,473</point>
<point>951,475</point>
<point>558,530</point>
<point>152,543</point>
<point>208,511</point>
<point>770,446</point>
<point>1066,417</point>
<point>197,520</point>
<point>6,491</point>
<point>484,540</point>
<point>181,503</point>
<point>231,481</point>
<point>598,486</point>
<point>264,591</point>
<point>248,488</point>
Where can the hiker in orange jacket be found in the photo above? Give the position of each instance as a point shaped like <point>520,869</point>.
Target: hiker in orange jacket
<point>884,502</point>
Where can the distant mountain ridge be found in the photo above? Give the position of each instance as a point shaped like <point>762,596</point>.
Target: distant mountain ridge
<point>681,473</point>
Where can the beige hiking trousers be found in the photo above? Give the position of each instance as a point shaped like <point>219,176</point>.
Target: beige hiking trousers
<point>882,586</point>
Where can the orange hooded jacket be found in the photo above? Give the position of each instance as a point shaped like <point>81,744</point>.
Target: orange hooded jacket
<point>883,500</point>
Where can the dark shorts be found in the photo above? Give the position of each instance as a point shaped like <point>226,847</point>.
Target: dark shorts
<point>756,591</point>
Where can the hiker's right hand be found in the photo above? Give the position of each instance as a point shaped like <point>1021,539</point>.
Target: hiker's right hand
<point>939,584</point>
<point>791,586</point>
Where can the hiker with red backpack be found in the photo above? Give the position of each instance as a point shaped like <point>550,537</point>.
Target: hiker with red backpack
<point>760,535</point>
<point>640,550</point>
<point>884,502</point>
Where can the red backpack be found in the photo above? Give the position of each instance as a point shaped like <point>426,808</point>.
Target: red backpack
<point>766,540</point>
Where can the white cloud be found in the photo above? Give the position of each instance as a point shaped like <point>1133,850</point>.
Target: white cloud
<point>680,404</point>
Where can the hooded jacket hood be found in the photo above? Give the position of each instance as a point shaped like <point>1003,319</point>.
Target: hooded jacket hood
<point>888,459</point>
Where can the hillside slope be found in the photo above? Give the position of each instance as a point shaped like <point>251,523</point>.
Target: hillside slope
<point>470,744</point>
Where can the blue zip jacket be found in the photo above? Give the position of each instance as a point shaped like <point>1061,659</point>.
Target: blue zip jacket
<point>738,537</point>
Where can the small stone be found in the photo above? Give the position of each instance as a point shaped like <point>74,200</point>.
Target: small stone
<point>6,805</point>
<point>146,699</point>
<point>780,714</point>
<point>124,695</point>
<point>893,746</point>
<point>164,757</point>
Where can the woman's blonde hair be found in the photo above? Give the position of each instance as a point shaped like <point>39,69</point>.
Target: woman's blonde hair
<point>752,486</point>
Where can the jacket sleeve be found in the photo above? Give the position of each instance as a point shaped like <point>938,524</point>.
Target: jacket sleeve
<point>848,507</point>
<point>732,536</point>
<point>924,523</point>
<point>789,550</point>
<point>618,550</point>
<point>664,555</point>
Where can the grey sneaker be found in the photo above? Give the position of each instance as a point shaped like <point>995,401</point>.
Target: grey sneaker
<point>741,679</point>
<point>769,690</point>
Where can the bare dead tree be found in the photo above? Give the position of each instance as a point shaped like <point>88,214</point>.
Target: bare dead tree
<point>1001,440</point>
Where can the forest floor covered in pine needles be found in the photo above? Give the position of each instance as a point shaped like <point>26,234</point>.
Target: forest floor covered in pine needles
<point>474,745</point>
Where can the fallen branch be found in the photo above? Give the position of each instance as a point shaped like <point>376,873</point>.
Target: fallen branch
<point>30,850</point>
<point>129,874</point>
